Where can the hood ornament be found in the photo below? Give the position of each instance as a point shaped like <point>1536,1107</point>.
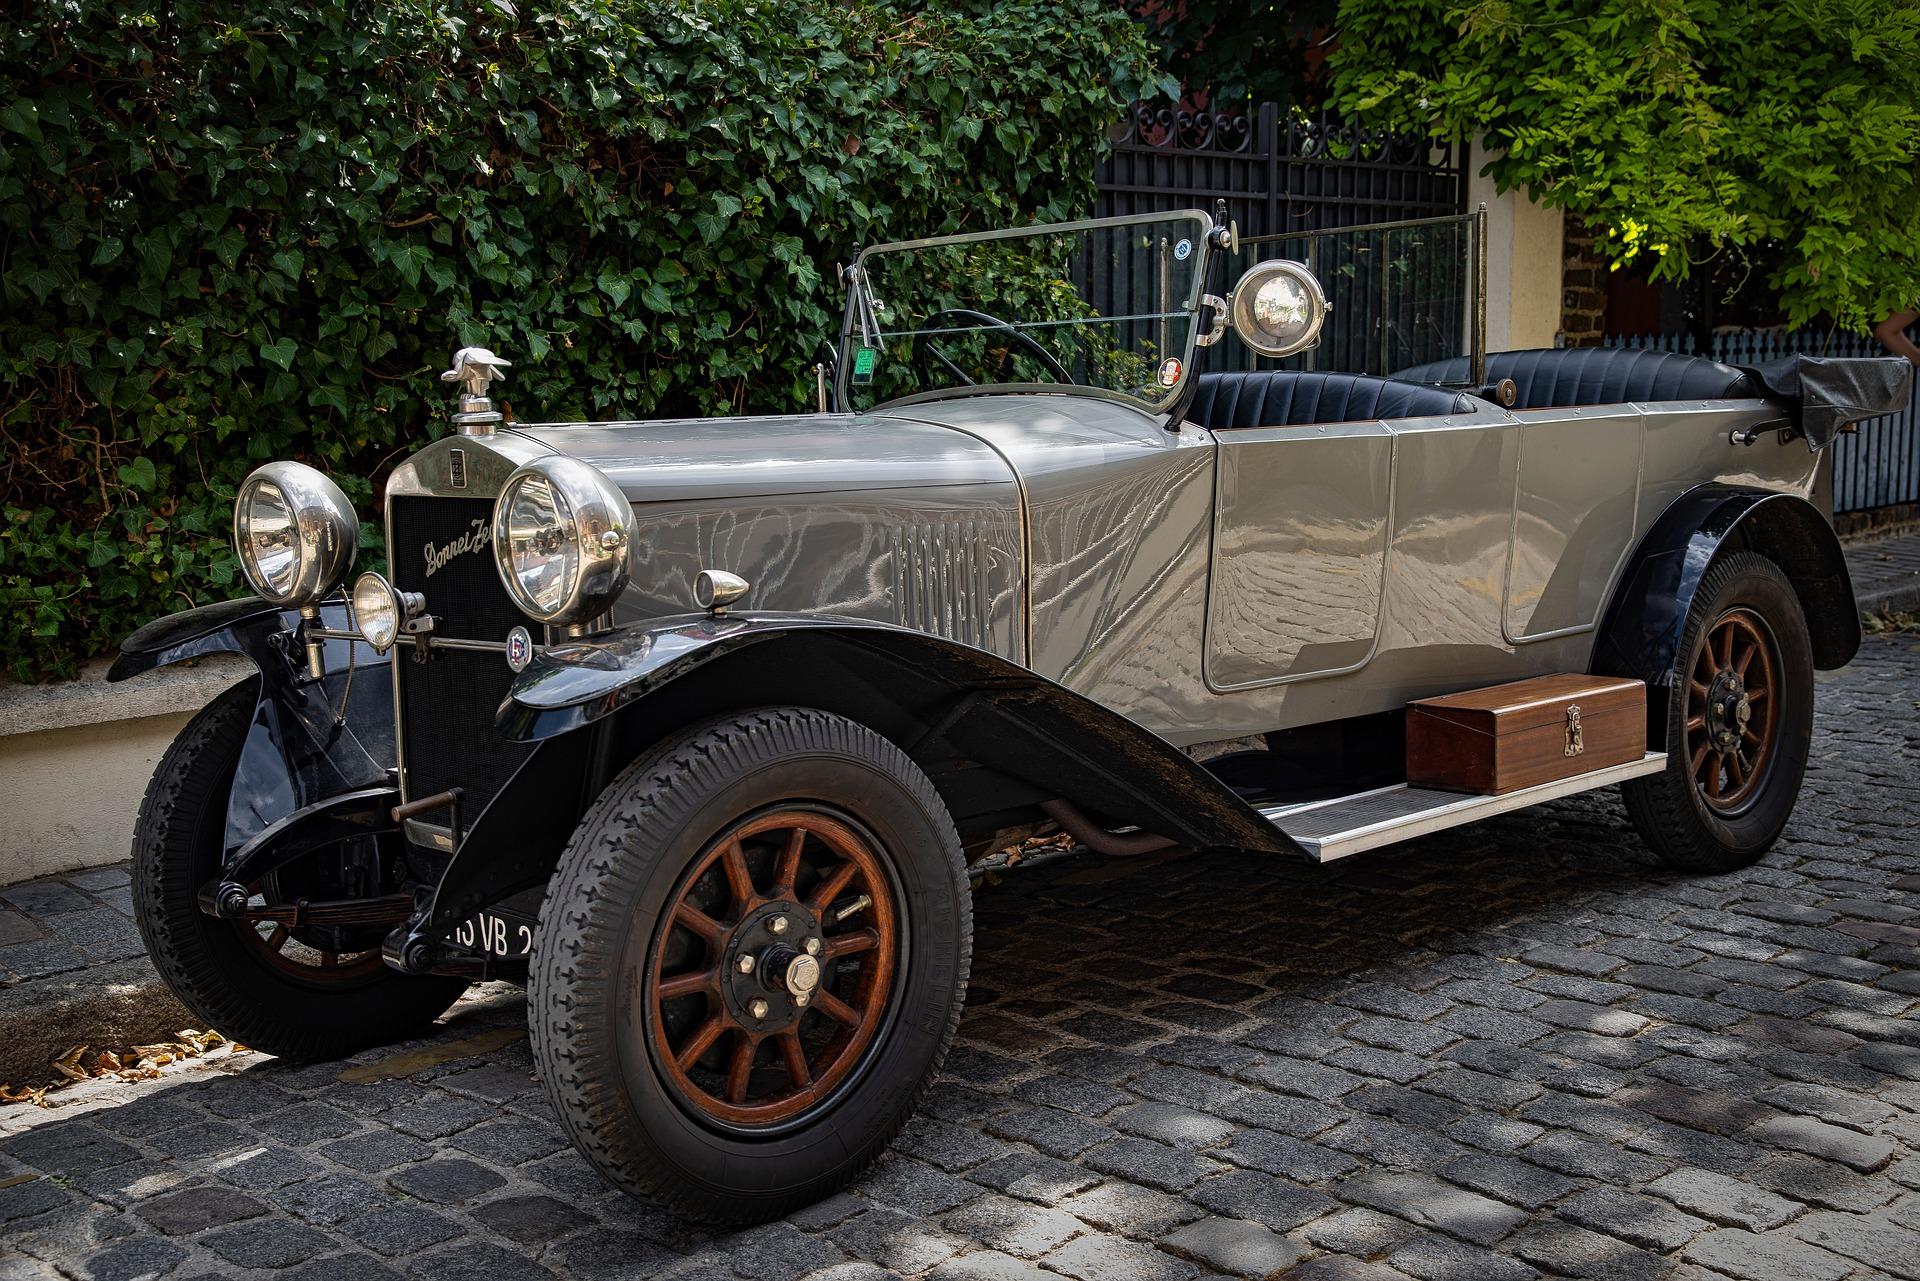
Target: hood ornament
<point>474,368</point>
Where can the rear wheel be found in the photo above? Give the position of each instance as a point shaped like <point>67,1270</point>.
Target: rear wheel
<point>280,985</point>
<point>1739,723</point>
<point>751,959</point>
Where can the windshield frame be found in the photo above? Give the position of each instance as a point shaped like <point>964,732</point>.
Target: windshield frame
<point>853,278</point>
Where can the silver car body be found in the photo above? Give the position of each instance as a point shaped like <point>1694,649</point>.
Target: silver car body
<point>1205,584</point>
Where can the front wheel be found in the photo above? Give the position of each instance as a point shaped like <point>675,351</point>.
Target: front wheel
<point>298,991</point>
<point>1739,723</point>
<point>751,960</point>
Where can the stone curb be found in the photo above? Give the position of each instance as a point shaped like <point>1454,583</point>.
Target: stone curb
<point>1901,599</point>
<point>90,700</point>
<point>107,1006</point>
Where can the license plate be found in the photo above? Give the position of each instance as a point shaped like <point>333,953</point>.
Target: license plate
<point>495,933</point>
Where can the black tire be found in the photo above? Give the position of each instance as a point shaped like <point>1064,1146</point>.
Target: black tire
<point>1743,594</point>
<point>634,854</point>
<point>210,964</point>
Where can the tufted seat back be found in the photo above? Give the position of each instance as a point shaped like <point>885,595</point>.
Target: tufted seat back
<point>1292,397</point>
<point>1550,377</point>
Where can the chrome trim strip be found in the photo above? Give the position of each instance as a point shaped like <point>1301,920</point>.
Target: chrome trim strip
<point>1450,813</point>
<point>439,642</point>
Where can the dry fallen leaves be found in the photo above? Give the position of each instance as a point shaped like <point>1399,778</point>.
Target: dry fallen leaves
<point>141,1063</point>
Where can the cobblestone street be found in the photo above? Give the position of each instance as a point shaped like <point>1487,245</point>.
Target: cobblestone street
<point>1507,1050</point>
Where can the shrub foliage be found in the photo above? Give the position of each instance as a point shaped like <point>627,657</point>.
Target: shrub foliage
<point>235,231</point>
<point>1683,128</point>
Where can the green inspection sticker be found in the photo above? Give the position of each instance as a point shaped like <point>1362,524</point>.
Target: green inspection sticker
<point>863,362</point>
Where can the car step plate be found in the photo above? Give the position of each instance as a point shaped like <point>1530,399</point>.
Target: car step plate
<point>1344,825</point>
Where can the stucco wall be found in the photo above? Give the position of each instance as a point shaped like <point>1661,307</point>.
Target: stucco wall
<point>75,758</point>
<point>69,795</point>
<point>1523,266</point>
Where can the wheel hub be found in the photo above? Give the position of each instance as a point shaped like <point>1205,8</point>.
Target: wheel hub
<point>769,964</point>
<point>1728,710</point>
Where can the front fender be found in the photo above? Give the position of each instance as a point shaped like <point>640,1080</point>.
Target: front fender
<point>568,686</point>
<point>931,694</point>
<point>309,740</point>
<point>1648,615</point>
<point>195,633</point>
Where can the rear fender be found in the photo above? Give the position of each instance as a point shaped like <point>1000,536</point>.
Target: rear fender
<point>299,751</point>
<point>1648,615</point>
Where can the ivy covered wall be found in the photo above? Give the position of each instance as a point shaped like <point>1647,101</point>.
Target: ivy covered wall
<point>233,231</point>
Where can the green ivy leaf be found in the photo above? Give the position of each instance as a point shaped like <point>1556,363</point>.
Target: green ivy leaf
<point>638,204</point>
<point>280,351</point>
<point>139,473</point>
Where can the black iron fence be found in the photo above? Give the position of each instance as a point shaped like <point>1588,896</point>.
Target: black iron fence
<point>1278,170</point>
<point>1313,187</point>
<point>1874,467</point>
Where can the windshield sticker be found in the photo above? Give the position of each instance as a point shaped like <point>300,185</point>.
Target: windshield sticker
<point>863,363</point>
<point>1169,371</point>
<point>1182,250</point>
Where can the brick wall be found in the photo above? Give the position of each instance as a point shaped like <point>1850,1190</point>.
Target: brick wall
<point>1583,286</point>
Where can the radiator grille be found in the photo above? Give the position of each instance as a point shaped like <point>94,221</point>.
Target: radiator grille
<point>439,548</point>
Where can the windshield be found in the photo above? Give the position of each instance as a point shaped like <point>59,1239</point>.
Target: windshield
<point>1105,305</point>
<point>1401,295</point>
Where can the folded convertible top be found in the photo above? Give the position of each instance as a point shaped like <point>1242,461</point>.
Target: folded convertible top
<point>1825,395</point>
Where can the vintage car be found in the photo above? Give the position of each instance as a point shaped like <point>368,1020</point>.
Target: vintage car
<point>696,725</point>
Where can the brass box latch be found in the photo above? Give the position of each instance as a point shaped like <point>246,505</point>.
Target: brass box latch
<point>1575,745</point>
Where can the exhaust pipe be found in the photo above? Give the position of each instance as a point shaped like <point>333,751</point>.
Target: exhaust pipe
<point>1074,822</point>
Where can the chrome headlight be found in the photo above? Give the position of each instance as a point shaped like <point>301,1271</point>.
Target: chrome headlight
<point>560,532</point>
<point>295,533</point>
<point>381,610</point>
<point>1278,307</point>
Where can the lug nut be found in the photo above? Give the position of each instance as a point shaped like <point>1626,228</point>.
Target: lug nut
<point>746,964</point>
<point>758,1008</point>
<point>813,947</point>
<point>778,925</point>
<point>802,1000</point>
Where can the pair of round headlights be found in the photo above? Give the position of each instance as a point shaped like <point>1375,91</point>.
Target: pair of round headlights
<point>560,536</point>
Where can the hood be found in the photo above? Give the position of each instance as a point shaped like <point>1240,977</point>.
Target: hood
<point>680,459</point>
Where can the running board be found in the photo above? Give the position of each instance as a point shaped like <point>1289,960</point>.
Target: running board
<point>1346,825</point>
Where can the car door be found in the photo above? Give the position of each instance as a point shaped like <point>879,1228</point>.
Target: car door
<point>1302,523</point>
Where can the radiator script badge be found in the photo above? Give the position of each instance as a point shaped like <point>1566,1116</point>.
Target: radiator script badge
<point>477,538</point>
<point>519,649</point>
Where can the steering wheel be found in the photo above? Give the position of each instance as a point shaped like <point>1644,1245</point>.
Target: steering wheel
<point>925,349</point>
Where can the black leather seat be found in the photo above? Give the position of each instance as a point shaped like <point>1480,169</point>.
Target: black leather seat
<point>1551,377</point>
<point>1292,398</point>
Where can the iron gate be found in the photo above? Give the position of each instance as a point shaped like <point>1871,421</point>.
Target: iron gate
<point>1278,170</point>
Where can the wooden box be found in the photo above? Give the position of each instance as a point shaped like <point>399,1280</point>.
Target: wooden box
<point>1535,731</point>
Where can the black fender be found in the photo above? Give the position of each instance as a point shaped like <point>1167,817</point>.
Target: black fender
<point>926,692</point>
<point>1642,630</point>
<point>993,736</point>
<point>300,751</point>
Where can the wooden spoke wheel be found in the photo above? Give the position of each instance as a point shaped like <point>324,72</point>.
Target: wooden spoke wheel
<point>300,974</point>
<point>306,951</point>
<point>751,962</point>
<point>773,968</point>
<point>1737,725</point>
<point>1733,709</point>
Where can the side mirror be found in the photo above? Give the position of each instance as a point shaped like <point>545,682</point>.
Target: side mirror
<point>1277,308</point>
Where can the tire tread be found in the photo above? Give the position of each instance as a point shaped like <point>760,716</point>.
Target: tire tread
<point>601,870</point>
